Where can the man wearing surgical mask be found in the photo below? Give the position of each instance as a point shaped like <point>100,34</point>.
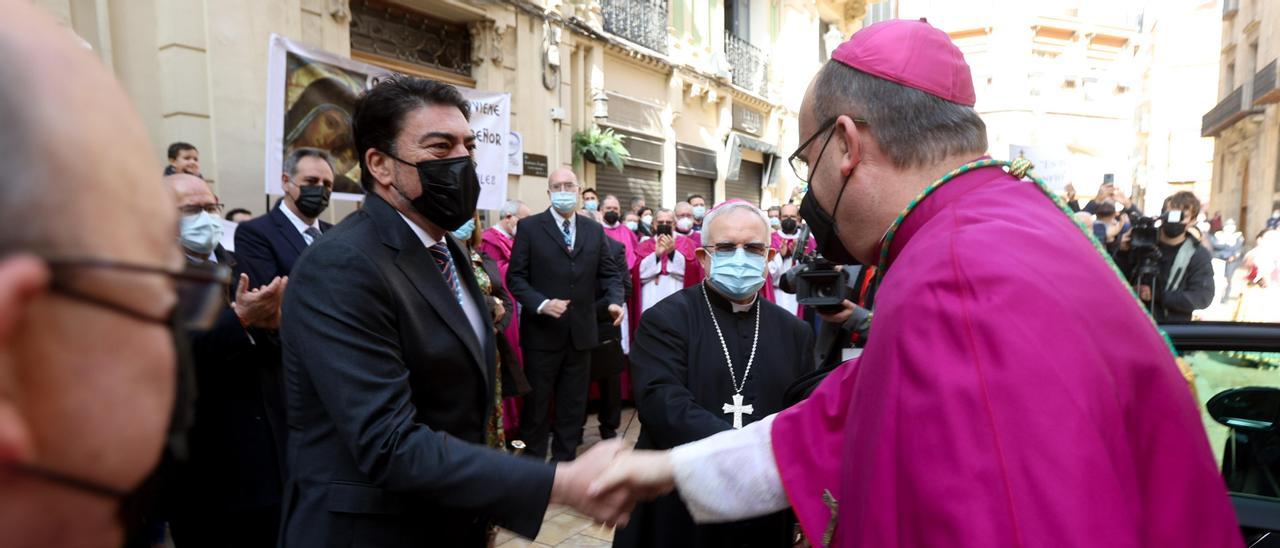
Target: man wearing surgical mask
<point>685,220</point>
<point>234,471</point>
<point>590,204</point>
<point>269,245</point>
<point>560,266</point>
<point>699,205</point>
<point>713,357</point>
<point>775,217</point>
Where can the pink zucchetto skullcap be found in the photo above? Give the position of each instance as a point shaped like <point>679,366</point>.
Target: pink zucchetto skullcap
<point>911,53</point>
<point>731,201</point>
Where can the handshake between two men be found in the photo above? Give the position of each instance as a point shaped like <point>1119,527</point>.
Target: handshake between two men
<point>608,480</point>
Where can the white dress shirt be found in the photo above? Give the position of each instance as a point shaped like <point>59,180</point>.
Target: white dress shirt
<point>573,225</point>
<point>300,224</point>
<point>573,238</point>
<point>777,268</point>
<point>469,306</point>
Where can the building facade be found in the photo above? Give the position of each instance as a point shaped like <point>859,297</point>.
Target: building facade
<point>1057,76</point>
<point>705,92</point>
<point>1178,55</point>
<point>1245,123</point>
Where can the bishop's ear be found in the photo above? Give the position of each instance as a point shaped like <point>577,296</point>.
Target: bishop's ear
<point>704,259</point>
<point>850,144</point>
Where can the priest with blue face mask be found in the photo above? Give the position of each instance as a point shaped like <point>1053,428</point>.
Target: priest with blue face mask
<point>709,358</point>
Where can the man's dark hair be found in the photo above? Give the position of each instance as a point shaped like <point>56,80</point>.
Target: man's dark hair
<point>380,112</point>
<point>291,161</point>
<point>1183,200</point>
<point>1106,210</point>
<point>176,148</point>
<point>238,211</point>
<point>913,128</point>
<point>591,190</point>
<point>689,200</point>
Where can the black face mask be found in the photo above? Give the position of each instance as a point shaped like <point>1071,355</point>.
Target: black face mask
<point>450,190</point>
<point>823,227</point>
<point>1173,230</point>
<point>312,200</point>
<point>611,217</point>
<point>789,226</point>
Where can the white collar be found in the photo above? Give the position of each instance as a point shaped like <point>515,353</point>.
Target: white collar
<point>786,236</point>
<point>503,230</point>
<point>427,240</point>
<point>297,221</point>
<point>744,307</point>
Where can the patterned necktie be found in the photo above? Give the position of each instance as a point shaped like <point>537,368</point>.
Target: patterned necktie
<point>313,232</point>
<point>444,260</point>
<point>568,238</point>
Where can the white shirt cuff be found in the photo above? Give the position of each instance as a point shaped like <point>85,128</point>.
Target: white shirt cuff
<point>730,476</point>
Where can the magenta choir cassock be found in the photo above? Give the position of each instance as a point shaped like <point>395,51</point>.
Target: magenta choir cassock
<point>994,405</point>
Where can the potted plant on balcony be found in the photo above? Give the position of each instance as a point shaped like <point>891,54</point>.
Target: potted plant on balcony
<point>600,146</point>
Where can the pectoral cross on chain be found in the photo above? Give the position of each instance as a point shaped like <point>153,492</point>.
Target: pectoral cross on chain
<point>738,410</point>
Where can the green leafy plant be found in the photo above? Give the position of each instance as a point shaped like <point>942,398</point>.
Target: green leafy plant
<point>601,146</point>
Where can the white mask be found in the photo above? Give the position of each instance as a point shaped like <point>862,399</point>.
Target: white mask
<point>200,233</point>
<point>684,224</point>
<point>647,220</point>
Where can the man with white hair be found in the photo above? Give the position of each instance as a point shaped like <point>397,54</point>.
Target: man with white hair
<point>699,367</point>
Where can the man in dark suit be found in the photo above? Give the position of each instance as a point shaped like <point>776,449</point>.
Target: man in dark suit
<point>389,355</point>
<point>558,314</point>
<point>268,245</point>
<point>233,475</point>
<point>609,358</point>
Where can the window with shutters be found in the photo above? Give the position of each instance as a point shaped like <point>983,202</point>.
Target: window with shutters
<point>747,185</point>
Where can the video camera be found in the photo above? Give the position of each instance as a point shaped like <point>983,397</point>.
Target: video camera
<point>814,280</point>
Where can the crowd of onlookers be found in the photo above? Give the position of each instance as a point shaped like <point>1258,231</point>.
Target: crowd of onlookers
<point>1198,261</point>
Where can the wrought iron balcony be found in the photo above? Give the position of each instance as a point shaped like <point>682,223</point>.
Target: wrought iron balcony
<point>1264,85</point>
<point>1233,108</point>
<point>748,63</point>
<point>643,22</point>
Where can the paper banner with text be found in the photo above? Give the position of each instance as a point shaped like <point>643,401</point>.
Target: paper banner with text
<point>311,94</point>
<point>1050,167</point>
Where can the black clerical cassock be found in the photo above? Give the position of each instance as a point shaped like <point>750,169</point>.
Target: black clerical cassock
<point>684,391</point>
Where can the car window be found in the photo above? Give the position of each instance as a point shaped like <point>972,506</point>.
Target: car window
<point>1248,455</point>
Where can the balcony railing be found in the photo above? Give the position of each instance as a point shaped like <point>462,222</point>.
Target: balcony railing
<point>643,22</point>
<point>1264,85</point>
<point>1233,108</point>
<point>748,63</point>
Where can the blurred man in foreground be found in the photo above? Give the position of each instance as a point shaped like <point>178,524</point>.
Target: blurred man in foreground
<point>89,314</point>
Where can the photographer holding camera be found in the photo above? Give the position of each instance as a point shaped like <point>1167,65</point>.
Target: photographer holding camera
<point>1171,272</point>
